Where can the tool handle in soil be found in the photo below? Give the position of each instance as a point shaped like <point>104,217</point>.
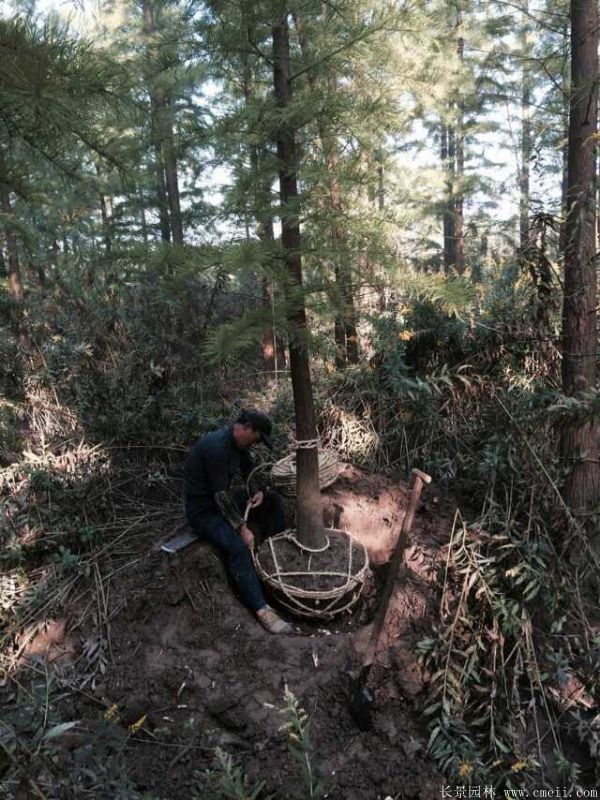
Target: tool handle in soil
<point>418,473</point>
<point>421,478</point>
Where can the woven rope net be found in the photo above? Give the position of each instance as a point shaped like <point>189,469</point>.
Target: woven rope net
<point>283,473</point>
<point>317,584</point>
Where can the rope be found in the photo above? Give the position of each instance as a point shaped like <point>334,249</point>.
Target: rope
<point>256,469</point>
<point>310,549</point>
<point>306,444</point>
<point>283,473</point>
<point>325,603</point>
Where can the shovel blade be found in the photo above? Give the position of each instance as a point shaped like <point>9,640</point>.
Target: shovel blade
<point>361,703</point>
<point>179,542</point>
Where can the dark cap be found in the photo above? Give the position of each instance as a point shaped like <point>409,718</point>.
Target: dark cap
<point>260,422</point>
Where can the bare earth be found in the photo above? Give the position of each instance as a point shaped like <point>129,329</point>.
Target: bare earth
<point>196,671</point>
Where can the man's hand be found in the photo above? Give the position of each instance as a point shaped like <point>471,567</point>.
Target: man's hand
<point>256,500</point>
<point>247,536</point>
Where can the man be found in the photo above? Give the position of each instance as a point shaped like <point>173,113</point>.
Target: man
<point>216,513</point>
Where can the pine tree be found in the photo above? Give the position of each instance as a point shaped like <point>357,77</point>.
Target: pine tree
<point>579,440</point>
<point>309,513</point>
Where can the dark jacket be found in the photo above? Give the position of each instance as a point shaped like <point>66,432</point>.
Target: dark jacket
<point>211,466</point>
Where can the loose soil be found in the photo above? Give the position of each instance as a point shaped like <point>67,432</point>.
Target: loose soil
<point>193,667</point>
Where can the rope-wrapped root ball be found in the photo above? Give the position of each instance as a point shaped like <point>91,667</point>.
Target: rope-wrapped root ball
<point>317,584</point>
<point>283,473</point>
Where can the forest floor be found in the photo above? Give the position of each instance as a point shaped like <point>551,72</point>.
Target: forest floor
<point>182,668</point>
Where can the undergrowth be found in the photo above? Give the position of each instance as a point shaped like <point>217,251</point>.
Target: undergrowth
<point>95,424</point>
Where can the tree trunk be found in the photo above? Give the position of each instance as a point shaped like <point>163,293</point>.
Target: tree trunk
<point>15,280</point>
<point>526,128</point>
<point>564,182</point>
<point>157,132</point>
<point>265,233</point>
<point>579,440</point>
<point>105,225</point>
<point>271,356</point>
<point>143,223</point>
<point>171,174</point>
<point>458,205</point>
<point>159,172</point>
<point>264,230</point>
<point>105,213</point>
<point>345,331</point>
<point>268,341</point>
<point>309,510</point>
<point>447,156</point>
<point>281,361</point>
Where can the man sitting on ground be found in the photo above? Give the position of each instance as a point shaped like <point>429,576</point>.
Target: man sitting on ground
<point>216,512</point>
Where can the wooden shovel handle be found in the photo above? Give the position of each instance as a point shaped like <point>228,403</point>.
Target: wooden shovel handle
<point>420,479</point>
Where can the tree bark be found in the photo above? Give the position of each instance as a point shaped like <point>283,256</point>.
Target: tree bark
<point>564,179</point>
<point>579,439</point>
<point>526,128</point>
<point>167,191</point>
<point>143,223</point>
<point>459,137</point>
<point>309,510</point>
<point>453,163</point>
<point>265,233</point>
<point>447,156</point>
<point>15,280</point>
<point>171,171</point>
<point>263,216</point>
<point>268,341</point>
<point>105,225</point>
<point>105,214</point>
<point>159,172</point>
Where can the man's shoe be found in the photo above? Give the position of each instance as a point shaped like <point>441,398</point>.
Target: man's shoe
<point>272,622</point>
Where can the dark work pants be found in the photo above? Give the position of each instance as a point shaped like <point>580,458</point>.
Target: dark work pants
<point>268,518</point>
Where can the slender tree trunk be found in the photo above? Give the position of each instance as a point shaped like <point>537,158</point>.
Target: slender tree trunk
<point>453,162</point>
<point>15,281</point>
<point>157,131</point>
<point>263,216</point>
<point>41,276</point>
<point>280,353</point>
<point>143,223</point>
<point>526,128</point>
<point>579,440</point>
<point>265,233</point>
<point>447,155</point>
<point>459,138</point>
<point>268,341</point>
<point>340,244</point>
<point>106,215</point>
<point>380,184</point>
<point>345,330</point>
<point>309,510</point>
<point>171,172</point>
<point>160,187</point>
<point>458,206</point>
<point>565,159</point>
<point>105,225</point>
